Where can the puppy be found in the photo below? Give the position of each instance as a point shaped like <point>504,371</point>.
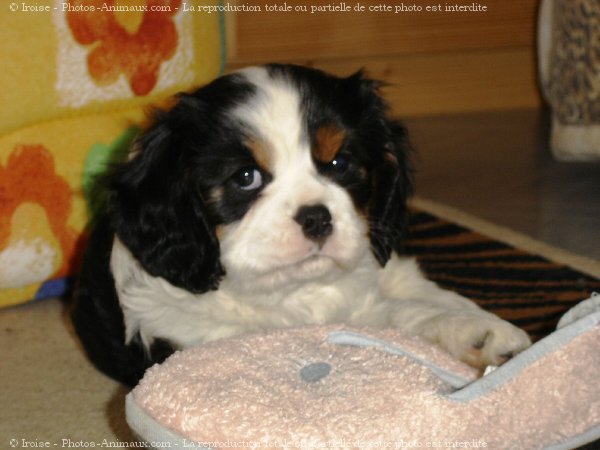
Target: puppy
<point>272,197</point>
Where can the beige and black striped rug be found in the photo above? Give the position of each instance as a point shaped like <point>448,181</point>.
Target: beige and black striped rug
<point>528,289</point>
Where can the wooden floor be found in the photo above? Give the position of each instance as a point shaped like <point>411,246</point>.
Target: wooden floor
<point>497,165</point>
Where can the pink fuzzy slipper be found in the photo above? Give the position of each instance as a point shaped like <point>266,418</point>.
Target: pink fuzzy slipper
<point>335,387</point>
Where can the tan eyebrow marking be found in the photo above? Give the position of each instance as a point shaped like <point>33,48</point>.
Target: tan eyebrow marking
<point>328,141</point>
<point>260,153</point>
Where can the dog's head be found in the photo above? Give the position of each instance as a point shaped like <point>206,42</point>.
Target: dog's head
<point>272,175</point>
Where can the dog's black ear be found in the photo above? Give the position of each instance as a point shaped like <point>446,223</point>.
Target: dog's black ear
<point>392,186</point>
<point>391,174</point>
<point>159,216</point>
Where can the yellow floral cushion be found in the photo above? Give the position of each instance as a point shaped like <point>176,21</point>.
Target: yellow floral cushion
<point>75,86</point>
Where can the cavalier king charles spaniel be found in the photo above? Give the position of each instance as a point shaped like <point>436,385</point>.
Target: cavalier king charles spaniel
<point>272,197</point>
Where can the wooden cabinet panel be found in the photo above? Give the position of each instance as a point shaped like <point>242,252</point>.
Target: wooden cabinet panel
<point>293,36</point>
<point>454,82</point>
<point>435,62</point>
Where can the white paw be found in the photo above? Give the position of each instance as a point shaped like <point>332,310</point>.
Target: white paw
<point>477,338</point>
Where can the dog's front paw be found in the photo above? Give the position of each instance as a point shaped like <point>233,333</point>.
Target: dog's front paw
<point>477,338</point>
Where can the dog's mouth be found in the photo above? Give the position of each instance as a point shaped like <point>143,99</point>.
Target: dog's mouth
<point>314,257</point>
<point>315,264</point>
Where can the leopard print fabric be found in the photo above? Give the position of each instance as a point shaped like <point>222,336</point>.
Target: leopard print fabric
<point>573,82</point>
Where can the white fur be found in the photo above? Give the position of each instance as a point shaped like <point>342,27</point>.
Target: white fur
<point>276,277</point>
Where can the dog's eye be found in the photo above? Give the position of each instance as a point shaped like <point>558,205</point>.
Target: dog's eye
<point>339,164</point>
<point>248,179</point>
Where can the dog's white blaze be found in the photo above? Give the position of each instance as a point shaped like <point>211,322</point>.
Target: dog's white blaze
<point>275,114</point>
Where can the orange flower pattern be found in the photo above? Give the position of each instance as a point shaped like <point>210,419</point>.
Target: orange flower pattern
<point>26,164</point>
<point>115,51</point>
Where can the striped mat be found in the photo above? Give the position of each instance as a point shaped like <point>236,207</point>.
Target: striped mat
<point>528,290</point>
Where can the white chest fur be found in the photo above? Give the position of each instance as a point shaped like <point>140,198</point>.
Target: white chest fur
<point>155,308</point>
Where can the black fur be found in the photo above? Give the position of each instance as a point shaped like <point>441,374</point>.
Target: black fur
<point>98,318</point>
<point>156,202</point>
<point>162,203</point>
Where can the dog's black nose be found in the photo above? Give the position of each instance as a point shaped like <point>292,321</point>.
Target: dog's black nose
<point>315,222</point>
